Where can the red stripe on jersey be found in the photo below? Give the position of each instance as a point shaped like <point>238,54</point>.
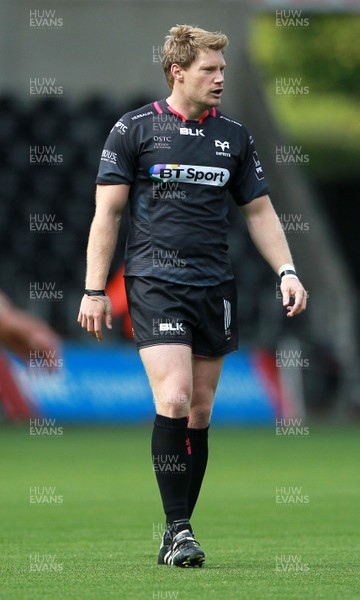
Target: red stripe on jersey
<point>202,118</point>
<point>158,108</point>
<point>206,114</point>
<point>177,113</point>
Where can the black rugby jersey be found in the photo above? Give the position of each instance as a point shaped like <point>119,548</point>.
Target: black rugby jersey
<point>180,172</point>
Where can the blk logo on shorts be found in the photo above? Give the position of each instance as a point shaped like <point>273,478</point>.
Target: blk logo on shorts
<point>168,327</point>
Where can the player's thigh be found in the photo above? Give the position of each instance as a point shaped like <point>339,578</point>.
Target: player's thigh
<point>206,375</point>
<point>169,369</point>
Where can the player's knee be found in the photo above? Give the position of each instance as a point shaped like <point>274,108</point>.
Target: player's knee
<point>174,403</point>
<point>200,417</point>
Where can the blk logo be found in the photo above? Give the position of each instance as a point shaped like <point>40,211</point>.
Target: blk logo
<point>192,132</point>
<point>223,145</point>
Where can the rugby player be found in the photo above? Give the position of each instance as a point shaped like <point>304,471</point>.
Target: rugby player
<point>174,161</point>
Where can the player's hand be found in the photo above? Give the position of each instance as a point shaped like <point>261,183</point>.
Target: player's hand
<point>291,287</point>
<point>93,310</point>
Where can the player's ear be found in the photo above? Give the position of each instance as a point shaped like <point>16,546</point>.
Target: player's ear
<point>177,72</point>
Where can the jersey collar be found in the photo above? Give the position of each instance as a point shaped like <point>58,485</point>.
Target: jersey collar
<point>162,106</point>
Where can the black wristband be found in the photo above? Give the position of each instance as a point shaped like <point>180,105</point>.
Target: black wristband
<point>95,292</point>
<point>287,272</point>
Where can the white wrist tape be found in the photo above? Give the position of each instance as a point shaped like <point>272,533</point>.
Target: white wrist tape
<point>286,267</point>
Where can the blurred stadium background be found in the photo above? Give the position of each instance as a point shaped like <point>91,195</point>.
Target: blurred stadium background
<point>68,71</point>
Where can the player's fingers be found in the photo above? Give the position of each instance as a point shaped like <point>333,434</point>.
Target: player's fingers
<point>97,328</point>
<point>81,321</point>
<point>108,321</point>
<point>90,324</point>
<point>299,303</point>
<point>286,296</point>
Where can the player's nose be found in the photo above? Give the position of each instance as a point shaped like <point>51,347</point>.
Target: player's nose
<point>219,77</point>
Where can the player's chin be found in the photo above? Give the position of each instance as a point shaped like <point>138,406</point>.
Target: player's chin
<point>215,99</point>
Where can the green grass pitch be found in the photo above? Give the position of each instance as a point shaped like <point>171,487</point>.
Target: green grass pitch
<point>98,536</point>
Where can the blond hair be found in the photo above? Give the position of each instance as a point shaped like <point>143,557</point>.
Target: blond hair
<point>183,45</point>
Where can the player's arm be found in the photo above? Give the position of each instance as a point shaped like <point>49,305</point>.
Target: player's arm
<point>268,236</point>
<point>110,203</point>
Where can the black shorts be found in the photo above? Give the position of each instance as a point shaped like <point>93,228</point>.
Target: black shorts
<point>204,318</point>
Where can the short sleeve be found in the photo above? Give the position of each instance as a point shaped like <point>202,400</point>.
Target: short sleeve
<point>118,158</point>
<point>248,182</point>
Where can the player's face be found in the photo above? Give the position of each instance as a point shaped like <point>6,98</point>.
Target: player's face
<point>203,81</point>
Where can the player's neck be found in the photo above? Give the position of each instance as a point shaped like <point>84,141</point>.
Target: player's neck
<point>189,110</point>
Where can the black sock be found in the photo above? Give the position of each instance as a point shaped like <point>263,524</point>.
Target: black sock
<point>171,455</point>
<point>199,455</point>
